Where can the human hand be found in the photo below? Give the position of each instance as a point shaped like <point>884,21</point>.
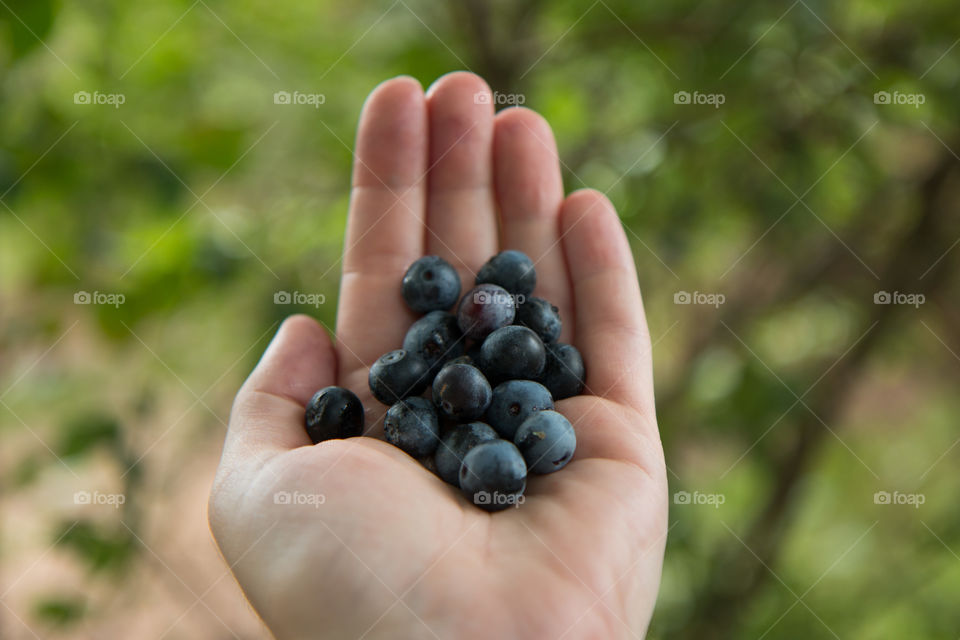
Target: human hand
<point>393,551</point>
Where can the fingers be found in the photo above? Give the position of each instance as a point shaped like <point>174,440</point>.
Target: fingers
<point>611,326</point>
<point>385,224</point>
<point>267,414</point>
<point>461,217</point>
<point>529,192</point>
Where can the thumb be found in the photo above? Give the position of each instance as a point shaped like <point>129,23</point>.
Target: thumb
<point>267,414</point>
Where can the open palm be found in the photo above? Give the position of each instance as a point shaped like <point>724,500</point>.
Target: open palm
<point>371,544</point>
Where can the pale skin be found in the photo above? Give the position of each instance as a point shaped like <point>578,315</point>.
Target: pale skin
<point>393,551</point>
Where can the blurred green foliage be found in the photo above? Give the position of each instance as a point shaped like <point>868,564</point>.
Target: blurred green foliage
<point>60,611</point>
<point>101,548</point>
<point>798,198</point>
<point>87,431</point>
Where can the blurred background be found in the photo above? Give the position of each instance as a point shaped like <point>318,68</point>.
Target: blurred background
<point>173,182</point>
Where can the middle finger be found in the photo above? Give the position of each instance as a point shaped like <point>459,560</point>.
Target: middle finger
<point>461,214</point>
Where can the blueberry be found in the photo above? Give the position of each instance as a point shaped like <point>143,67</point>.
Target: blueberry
<point>456,444</point>
<point>564,372</point>
<point>484,309</point>
<point>436,338</point>
<point>542,317</point>
<point>412,425</point>
<point>513,352</point>
<point>430,284</point>
<point>513,402</point>
<point>397,375</point>
<point>473,352</point>
<point>461,392</point>
<point>464,359</point>
<point>493,475</point>
<point>547,441</point>
<point>333,412</point>
<point>512,270</point>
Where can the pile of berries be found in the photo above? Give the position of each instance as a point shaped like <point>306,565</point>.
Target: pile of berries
<point>493,370</point>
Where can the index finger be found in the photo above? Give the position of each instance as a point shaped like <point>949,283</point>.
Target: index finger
<point>385,223</point>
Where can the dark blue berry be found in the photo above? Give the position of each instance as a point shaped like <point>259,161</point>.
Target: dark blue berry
<point>513,352</point>
<point>547,441</point>
<point>493,475</point>
<point>431,284</point>
<point>436,338</point>
<point>461,392</point>
<point>512,270</point>
<point>464,359</point>
<point>542,317</point>
<point>513,402</point>
<point>473,351</point>
<point>484,309</point>
<point>397,375</point>
<point>564,373</point>
<point>412,425</point>
<point>456,444</point>
<point>333,412</point>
